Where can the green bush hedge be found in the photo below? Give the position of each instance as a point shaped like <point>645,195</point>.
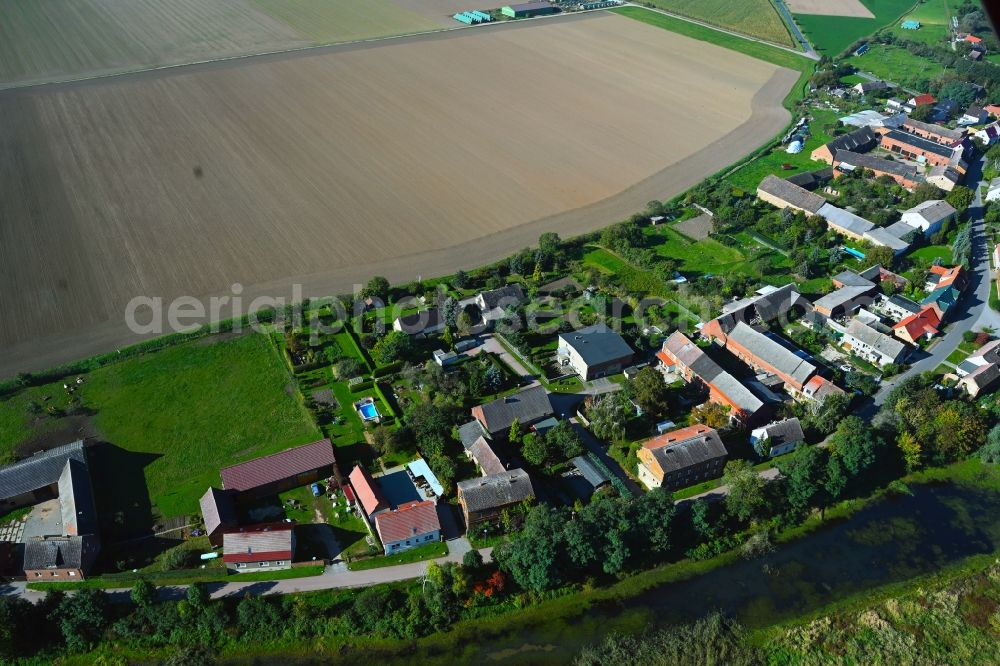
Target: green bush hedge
<point>386,370</point>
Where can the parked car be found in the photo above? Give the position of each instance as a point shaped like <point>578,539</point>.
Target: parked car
<point>316,490</point>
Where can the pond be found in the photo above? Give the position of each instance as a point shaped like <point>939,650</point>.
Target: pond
<point>894,540</point>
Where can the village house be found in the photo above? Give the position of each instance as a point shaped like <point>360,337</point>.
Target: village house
<point>865,87</point>
<point>920,149</point>
<point>777,438</point>
<point>410,525</point>
<point>929,216</point>
<point>483,499</point>
<point>682,356</point>
<point>989,134</point>
<point>898,307</point>
<point>595,351</point>
<point>527,407</point>
<point>594,476</point>
<point>924,323</point>
<point>271,474</point>
<point>845,300</point>
<point>944,177</point>
<point>981,369</point>
<point>35,479</point>
<point>681,458</point>
<point>943,276</point>
<point>485,457</point>
<point>904,174</point>
<point>368,495</point>
<point>859,141</point>
<point>919,100</point>
<point>874,119</point>
<point>262,547</point>
<point>872,345</point>
<point>762,353</point>
<point>493,304</point>
<point>782,194</point>
<point>425,322</point>
<point>974,115</point>
<point>845,222</point>
<point>933,132</point>
<point>218,511</point>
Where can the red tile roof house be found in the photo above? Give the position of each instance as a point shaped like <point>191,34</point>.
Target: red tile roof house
<point>683,356</point>
<point>272,474</point>
<point>409,526</point>
<point>925,323</point>
<point>259,547</point>
<point>370,500</point>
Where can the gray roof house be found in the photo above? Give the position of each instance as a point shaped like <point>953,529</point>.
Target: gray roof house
<point>76,500</point>
<point>218,509</point>
<point>36,478</point>
<point>595,351</point>
<point>62,557</point>
<point>772,355</point>
<point>844,300</point>
<point>929,216</point>
<point>872,345</point>
<point>783,194</point>
<point>484,498</point>
<point>493,303</point>
<point>777,438</point>
<point>682,457</point>
<point>469,432</point>
<point>527,407</point>
<point>589,471</point>
<point>424,322</point>
<point>845,222</point>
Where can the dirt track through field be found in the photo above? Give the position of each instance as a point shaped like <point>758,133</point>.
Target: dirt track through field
<point>830,8</point>
<point>415,158</point>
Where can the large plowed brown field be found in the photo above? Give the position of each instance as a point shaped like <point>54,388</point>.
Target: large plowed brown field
<point>419,156</point>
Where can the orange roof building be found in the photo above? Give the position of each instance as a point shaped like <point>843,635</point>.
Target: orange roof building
<point>681,457</point>
<point>925,323</point>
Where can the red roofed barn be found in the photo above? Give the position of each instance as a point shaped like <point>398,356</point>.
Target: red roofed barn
<point>369,496</point>
<point>290,468</point>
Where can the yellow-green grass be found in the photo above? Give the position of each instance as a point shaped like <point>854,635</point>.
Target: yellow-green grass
<point>756,18</point>
<point>896,64</point>
<point>830,35</point>
<point>182,412</point>
<point>345,20</point>
<point>750,174</point>
<point>932,252</point>
<point>934,17</point>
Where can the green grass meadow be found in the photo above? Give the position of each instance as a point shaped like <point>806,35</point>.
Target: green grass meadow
<point>830,35</point>
<point>896,64</point>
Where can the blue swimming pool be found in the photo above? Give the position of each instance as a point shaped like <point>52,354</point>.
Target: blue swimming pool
<point>368,411</point>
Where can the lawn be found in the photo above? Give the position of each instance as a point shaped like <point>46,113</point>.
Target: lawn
<point>427,551</point>
<point>931,252</point>
<point>635,280</point>
<point>749,175</point>
<point>175,416</point>
<point>757,18</point>
<point>830,35</point>
<point>757,50</point>
<point>957,357</point>
<point>896,64</point>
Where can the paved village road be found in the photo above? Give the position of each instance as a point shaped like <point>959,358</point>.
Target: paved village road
<point>335,577</point>
<point>973,311</point>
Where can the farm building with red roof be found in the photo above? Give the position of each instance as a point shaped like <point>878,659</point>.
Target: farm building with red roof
<point>410,525</point>
<point>274,473</point>
<point>259,547</point>
<point>369,496</point>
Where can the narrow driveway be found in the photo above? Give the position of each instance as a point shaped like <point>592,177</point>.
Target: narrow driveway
<point>972,311</point>
<point>807,47</point>
<point>492,345</point>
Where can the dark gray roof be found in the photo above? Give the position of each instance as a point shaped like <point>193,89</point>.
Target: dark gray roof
<point>810,180</point>
<point>694,450</point>
<point>905,303</point>
<point>39,470</point>
<point>775,354</point>
<point>846,298</point>
<point>526,406</point>
<point>597,344</point>
<point>76,552</point>
<point>504,296</point>
<point>859,141</point>
<point>496,490</point>
<point>469,432</point>
<point>791,194</point>
<point>76,499</point>
<point>874,163</point>
<point>218,509</point>
<point>920,142</point>
<point>766,308</point>
<point>933,210</point>
<point>418,322</point>
<point>588,470</point>
<point>784,432</point>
